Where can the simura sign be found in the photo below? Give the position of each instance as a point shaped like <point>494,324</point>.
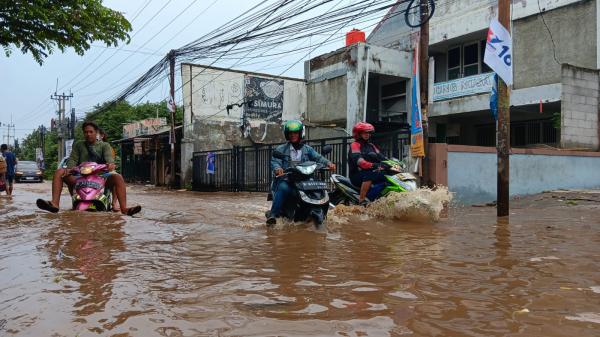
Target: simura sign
<point>264,97</point>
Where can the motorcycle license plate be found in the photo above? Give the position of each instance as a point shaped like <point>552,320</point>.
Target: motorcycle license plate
<point>311,185</point>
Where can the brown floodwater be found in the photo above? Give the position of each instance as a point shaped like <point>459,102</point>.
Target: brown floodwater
<point>198,264</point>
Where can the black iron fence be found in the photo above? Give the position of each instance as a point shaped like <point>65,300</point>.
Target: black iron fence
<point>248,168</point>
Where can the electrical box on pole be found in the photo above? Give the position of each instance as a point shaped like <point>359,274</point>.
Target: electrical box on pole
<point>61,127</point>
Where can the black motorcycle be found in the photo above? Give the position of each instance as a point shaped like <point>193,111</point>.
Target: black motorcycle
<point>311,200</point>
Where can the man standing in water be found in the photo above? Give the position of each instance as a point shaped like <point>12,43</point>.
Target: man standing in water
<point>89,150</point>
<point>11,163</point>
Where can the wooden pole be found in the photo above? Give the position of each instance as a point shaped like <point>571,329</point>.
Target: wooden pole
<point>173,108</point>
<point>503,127</point>
<point>424,86</point>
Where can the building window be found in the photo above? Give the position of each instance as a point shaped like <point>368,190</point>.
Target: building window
<point>454,63</point>
<point>471,59</point>
<point>467,60</point>
<point>484,67</point>
<point>393,102</point>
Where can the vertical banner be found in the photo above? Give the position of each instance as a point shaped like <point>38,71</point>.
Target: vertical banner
<point>417,147</point>
<point>210,163</point>
<point>498,51</point>
<point>494,98</point>
<point>68,147</point>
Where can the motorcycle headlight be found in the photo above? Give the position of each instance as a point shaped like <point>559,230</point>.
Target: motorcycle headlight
<point>307,170</point>
<point>86,170</point>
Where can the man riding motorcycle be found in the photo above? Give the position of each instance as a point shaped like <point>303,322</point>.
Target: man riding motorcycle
<point>89,150</point>
<point>296,151</point>
<point>363,173</point>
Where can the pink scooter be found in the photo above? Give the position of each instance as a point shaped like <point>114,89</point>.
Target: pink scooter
<point>90,193</point>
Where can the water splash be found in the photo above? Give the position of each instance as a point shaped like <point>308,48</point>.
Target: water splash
<point>424,204</point>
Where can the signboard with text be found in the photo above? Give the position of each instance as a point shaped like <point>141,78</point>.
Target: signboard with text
<point>263,97</point>
<point>461,87</point>
<point>148,126</point>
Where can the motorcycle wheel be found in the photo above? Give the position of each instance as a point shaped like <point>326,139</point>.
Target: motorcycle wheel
<point>336,197</point>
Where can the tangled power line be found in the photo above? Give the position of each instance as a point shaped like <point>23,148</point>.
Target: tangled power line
<point>261,32</point>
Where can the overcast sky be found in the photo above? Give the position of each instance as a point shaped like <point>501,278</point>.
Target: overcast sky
<point>102,72</point>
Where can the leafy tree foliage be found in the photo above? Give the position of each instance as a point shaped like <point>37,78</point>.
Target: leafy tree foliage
<point>40,26</point>
<point>112,118</point>
<point>33,141</point>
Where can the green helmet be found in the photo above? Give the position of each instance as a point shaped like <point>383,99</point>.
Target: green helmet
<point>293,126</point>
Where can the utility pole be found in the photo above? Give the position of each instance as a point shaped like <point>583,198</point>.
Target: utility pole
<point>6,138</point>
<point>172,108</point>
<point>62,100</point>
<point>503,128</point>
<point>424,83</point>
<point>72,124</point>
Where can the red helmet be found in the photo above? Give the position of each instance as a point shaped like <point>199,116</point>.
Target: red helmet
<point>361,127</point>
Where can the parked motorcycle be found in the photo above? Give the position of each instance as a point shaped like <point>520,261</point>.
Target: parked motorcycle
<point>311,199</point>
<point>90,193</point>
<point>397,181</point>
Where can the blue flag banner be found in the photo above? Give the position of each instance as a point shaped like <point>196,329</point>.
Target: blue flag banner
<point>494,98</point>
<point>210,163</point>
<point>417,147</point>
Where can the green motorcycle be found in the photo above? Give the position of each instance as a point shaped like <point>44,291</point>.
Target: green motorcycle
<point>397,181</point>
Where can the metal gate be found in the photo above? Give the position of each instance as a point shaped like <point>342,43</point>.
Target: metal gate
<point>248,168</point>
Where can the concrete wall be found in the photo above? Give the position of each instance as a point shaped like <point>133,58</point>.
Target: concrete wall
<point>208,126</point>
<point>580,103</point>
<point>206,92</point>
<point>472,172</point>
<point>336,81</point>
<point>453,19</point>
<point>574,33</point>
<point>547,93</point>
<point>327,101</point>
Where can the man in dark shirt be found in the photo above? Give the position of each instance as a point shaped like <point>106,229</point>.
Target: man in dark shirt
<point>11,163</point>
<point>89,150</point>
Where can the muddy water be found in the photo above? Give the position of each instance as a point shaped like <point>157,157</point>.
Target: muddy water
<point>203,265</point>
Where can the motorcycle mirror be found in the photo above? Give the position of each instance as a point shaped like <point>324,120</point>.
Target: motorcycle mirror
<point>326,150</point>
<point>279,154</point>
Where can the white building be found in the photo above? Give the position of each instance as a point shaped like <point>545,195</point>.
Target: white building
<point>555,63</point>
<point>257,105</point>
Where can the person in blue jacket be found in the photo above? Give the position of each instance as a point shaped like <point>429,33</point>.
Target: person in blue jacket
<point>295,151</point>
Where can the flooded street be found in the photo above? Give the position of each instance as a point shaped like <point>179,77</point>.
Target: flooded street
<point>198,264</point>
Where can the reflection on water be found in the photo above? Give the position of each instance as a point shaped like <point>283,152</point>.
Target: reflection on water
<point>82,250</point>
<point>204,265</point>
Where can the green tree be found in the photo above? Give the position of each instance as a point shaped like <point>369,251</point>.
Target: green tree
<point>39,27</point>
<point>111,118</point>
<point>32,141</point>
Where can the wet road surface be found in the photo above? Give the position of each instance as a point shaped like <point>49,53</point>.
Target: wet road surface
<point>203,265</point>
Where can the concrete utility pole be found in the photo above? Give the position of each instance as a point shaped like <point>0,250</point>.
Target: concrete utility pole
<point>172,107</point>
<point>72,123</point>
<point>503,128</point>
<point>424,83</point>
<point>6,138</point>
<point>62,99</point>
